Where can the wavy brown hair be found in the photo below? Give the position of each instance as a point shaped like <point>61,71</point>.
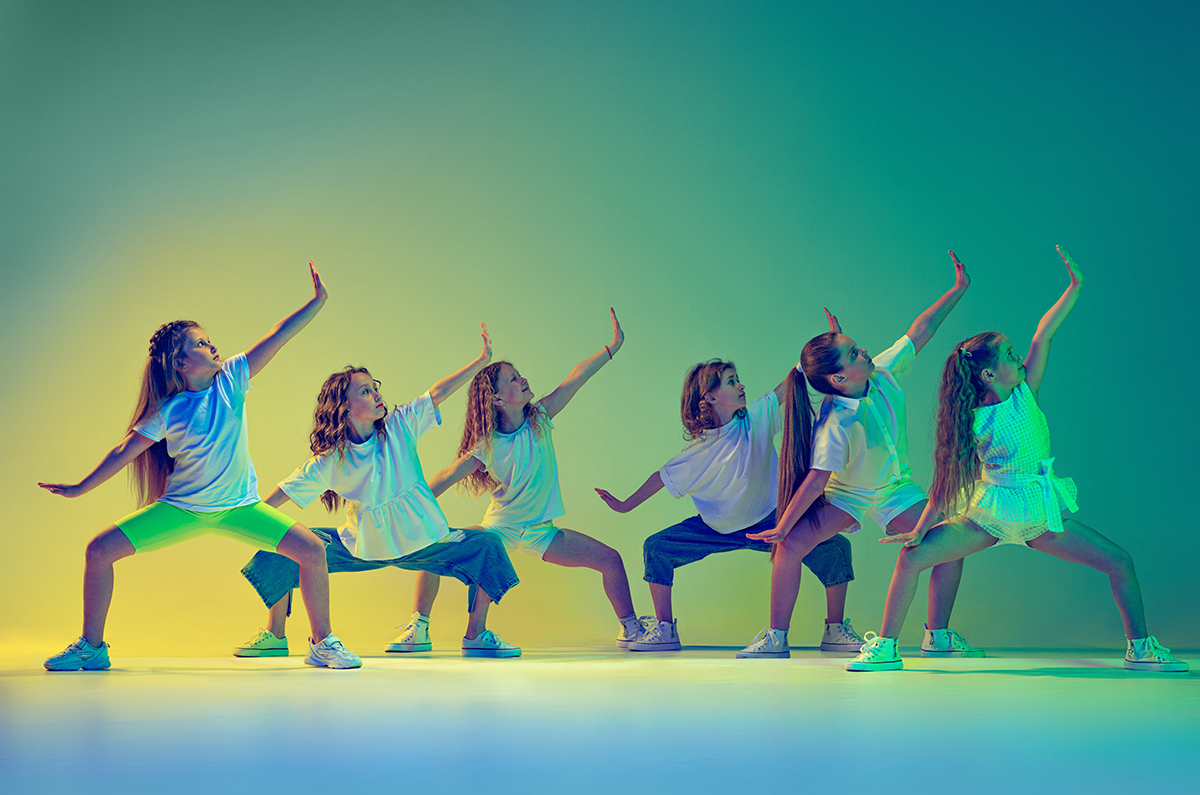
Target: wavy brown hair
<point>161,381</point>
<point>955,463</point>
<point>695,412</point>
<point>483,420</point>
<point>332,425</point>
<point>795,451</point>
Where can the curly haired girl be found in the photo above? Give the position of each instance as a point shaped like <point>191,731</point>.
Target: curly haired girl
<point>994,478</point>
<point>191,465</point>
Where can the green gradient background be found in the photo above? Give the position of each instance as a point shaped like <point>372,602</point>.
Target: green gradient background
<point>715,172</point>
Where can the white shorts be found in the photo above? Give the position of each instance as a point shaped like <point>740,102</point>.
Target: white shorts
<point>879,505</point>
<point>531,539</point>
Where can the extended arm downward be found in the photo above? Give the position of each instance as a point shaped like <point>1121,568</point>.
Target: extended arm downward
<point>265,349</point>
<point>277,498</point>
<point>453,382</point>
<point>929,517</point>
<point>1039,349</point>
<point>813,486</point>
<point>133,445</point>
<point>644,492</point>
<point>444,479</point>
<point>927,323</point>
<point>557,400</point>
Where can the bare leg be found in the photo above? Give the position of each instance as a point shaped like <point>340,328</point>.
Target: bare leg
<point>477,621</point>
<point>944,542</point>
<point>787,566</point>
<point>277,616</point>
<point>661,594</point>
<point>1079,543</point>
<point>943,580</point>
<point>109,546</point>
<point>573,549</point>
<point>426,591</point>
<point>302,546</point>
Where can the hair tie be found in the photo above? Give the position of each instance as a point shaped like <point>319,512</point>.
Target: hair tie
<point>965,352</point>
<point>798,368</point>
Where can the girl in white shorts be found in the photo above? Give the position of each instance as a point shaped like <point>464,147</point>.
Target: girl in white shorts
<point>191,462</point>
<point>859,462</point>
<point>993,460</point>
<point>507,451</point>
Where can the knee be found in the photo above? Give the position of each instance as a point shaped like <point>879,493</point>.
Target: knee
<point>97,553</point>
<point>310,550</point>
<point>1122,563</point>
<point>611,560</point>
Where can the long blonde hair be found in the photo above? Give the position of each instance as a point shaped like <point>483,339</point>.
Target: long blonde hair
<point>955,463</point>
<point>694,411</point>
<point>332,425</point>
<point>483,420</point>
<point>161,381</point>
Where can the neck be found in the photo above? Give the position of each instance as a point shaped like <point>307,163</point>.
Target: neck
<point>194,384</point>
<point>361,431</point>
<point>511,418</point>
<point>724,416</point>
<point>858,391</point>
<point>997,394</point>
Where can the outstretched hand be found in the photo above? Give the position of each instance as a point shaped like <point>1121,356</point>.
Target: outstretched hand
<point>1072,267</point>
<point>962,279</point>
<point>487,343</point>
<point>62,489</point>
<point>834,325</point>
<point>912,538</point>
<point>612,502</point>
<point>618,334</point>
<point>319,291</point>
<point>772,536</point>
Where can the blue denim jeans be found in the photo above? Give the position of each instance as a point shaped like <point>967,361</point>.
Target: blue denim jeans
<point>477,559</point>
<point>692,540</point>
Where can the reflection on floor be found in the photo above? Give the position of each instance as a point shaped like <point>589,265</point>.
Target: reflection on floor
<point>600,720</point>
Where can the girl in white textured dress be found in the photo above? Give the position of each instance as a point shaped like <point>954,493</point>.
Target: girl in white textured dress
<point>994,477</point>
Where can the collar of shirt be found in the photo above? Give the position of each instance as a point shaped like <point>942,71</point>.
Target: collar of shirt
<point>852,403</point>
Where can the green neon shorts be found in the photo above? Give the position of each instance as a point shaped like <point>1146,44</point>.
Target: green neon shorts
<point>160,525</point>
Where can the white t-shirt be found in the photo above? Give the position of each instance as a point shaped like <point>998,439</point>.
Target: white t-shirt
<point>206,435</point>
<point>390,510</point>
<point>527,469</point>
<point>864,441</point>
<point>731,472</point>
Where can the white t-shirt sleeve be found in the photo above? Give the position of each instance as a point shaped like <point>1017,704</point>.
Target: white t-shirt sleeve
<point>418,416</point>
<point>898,359</point>
<point>831,447</point>
<point>680,475</point>
<point>310,480</point>
<point>765,412</point>
<point>237,369</point>
<point>152,427</point>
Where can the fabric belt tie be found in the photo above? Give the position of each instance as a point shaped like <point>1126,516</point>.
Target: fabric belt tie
<point>1050,487</point>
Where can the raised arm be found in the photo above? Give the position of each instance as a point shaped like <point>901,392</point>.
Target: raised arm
<point>644,492</point>
<point>926,324</point>
<point>811,487</point>
<point>265,349</point>
<point>444,479</point>
<point>453,382</point>
<point>133,445</point>
<point>557,400</point>
<point>1039,349</point>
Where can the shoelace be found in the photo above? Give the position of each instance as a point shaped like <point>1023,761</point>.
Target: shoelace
<point>262,635</point>
<point>846,632</point>
<point>1154,650</point>
<point>761,640</point>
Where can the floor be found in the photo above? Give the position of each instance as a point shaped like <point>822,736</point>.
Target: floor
<point>600,720</point>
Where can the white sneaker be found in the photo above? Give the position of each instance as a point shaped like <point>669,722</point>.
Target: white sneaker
<point>878,654</point>
<point>841,637</point>
<point>330,653</point>
<point>1145,654</point>
<point>488,644</point>
<point>947,643</point>
<point>663,636</point>
<point>263,644</point>
<point>634,632</point>
<point>414,637</point>
<point>768,644</point>
<point>80,656</point>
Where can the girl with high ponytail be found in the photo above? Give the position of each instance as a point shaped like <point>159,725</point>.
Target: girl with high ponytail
<point>849,466</point>
<point>994,479</point>
<point>188,446</point>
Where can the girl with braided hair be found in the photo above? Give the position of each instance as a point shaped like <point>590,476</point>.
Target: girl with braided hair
<point>188,446</point>
<point>994,479</point>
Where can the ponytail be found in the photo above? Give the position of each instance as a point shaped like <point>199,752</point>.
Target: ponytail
<point>795,453</point>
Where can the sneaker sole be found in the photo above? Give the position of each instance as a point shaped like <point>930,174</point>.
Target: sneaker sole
<point>104,667</point>
<point>319,664</point>
<point>843,647</point>
<point>491,652</point>
<point>975,653</point>
<point>763,655</point>
<point>260,652</point>
<point>895,665</point>
<point>1161,668</point>
<point>408,648</point>
<point>657,647</point>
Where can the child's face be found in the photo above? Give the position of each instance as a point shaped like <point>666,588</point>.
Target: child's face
<point>1009,371</point>
<point>512,391</point>
<point>364,401</point>
<point>856,366</point>
<point>730,395</point>
<point>198,356</point>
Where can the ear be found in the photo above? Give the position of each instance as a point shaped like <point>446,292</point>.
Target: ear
<point>709,398</point>
<point>181,365</point>
<point>497,401</point>
<point>987,376</point>
<point>838,379</point>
